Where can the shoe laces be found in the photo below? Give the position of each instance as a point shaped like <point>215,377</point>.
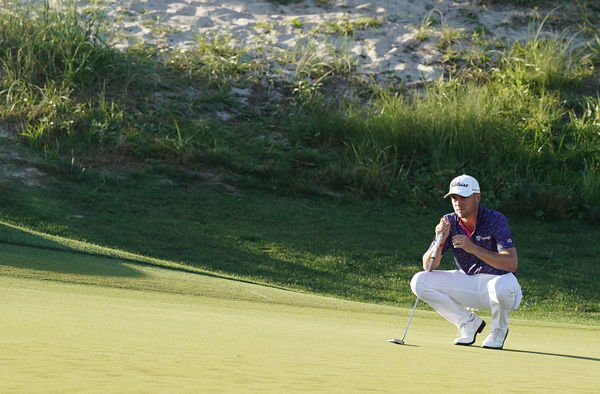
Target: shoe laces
<point>462,328</point>
<point>496,333</point>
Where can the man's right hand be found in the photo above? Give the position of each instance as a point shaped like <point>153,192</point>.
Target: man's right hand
<point>444,228</point>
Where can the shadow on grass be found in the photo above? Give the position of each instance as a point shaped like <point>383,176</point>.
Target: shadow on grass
<point>553,354</point>
<point>28,250</point>
<point>63,261</point>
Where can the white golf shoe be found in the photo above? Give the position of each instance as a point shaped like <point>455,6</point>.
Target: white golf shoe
<point>495,339</point>
<point>467,332</point>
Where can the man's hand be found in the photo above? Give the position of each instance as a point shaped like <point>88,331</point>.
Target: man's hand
<point>506,259</point>
<point>444,228</point>
<point>463,242</point>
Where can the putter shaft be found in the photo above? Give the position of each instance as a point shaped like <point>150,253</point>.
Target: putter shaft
<point>436,245</point>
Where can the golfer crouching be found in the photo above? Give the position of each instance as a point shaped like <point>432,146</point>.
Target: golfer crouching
<point>486,258</point>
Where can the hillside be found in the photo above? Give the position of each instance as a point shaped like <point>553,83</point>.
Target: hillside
<point>363,99</point>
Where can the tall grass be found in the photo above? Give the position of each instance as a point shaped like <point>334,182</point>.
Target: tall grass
<point>526,123</point>
<point>524,130</point>
<point>50,58</point>
<point>450,127</point>
<point>50,44</point>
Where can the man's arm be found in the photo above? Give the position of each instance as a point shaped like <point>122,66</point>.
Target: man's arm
<point>444,228</point>
<point>438,257</point>
<point>506,259</point>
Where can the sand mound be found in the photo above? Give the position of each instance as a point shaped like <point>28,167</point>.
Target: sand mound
<point>402,39</point>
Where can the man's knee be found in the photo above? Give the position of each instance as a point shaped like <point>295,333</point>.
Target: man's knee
<point>416,283</point>
<point>504,291</point>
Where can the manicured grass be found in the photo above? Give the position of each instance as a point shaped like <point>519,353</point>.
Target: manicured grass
<point>187,332</point>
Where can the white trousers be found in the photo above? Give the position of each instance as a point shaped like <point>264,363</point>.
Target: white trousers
<point>451,292</point>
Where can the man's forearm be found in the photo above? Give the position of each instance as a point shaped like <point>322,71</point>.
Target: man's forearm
<point>504,260</point>
<point>427,257</point>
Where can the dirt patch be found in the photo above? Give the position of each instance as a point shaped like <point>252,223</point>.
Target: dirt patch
<point>13,164</point>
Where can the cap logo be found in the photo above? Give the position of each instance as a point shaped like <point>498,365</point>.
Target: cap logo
<point>457,183</point>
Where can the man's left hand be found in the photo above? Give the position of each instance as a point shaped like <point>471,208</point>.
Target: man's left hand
<point>463,242</point>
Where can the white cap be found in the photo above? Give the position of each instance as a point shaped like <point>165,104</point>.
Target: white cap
<point>463,185</point>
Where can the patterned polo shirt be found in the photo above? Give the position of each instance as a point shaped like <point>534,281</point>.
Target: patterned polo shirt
<point>491,233</point>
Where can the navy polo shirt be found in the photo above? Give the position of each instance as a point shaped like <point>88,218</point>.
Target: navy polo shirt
<point>491,233</point>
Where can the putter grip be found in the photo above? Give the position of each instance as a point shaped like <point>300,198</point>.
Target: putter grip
<point>436,246</point>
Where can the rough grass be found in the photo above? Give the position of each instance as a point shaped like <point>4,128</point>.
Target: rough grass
<point>526,129</point>
<point>523,119</point>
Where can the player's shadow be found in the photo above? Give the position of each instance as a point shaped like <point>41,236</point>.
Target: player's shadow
<point>554,354</point>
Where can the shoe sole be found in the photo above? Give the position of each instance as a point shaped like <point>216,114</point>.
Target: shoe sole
<point>481,327</point>
<point>498,348</point>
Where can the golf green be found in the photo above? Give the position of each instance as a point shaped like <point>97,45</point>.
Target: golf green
<point>173,331</point>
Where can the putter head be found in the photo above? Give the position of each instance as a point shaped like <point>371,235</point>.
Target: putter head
<point>396,341</point>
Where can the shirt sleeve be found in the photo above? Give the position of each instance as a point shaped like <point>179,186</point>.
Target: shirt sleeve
<point>503,235</point>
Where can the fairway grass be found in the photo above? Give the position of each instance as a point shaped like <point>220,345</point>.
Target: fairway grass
<point>134,328</point>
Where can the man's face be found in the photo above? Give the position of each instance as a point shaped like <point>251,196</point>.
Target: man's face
<point>465,207</point>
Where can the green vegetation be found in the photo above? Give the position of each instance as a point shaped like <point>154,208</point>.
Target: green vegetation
<point>524,119</point>
<point>345,27</point>
<point>172,220</point>
<point>243,197</point>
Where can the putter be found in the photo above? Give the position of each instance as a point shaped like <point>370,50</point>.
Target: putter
<point>436,245</point>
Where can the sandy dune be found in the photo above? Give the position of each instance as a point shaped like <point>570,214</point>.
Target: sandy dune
<point>392,48</point>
